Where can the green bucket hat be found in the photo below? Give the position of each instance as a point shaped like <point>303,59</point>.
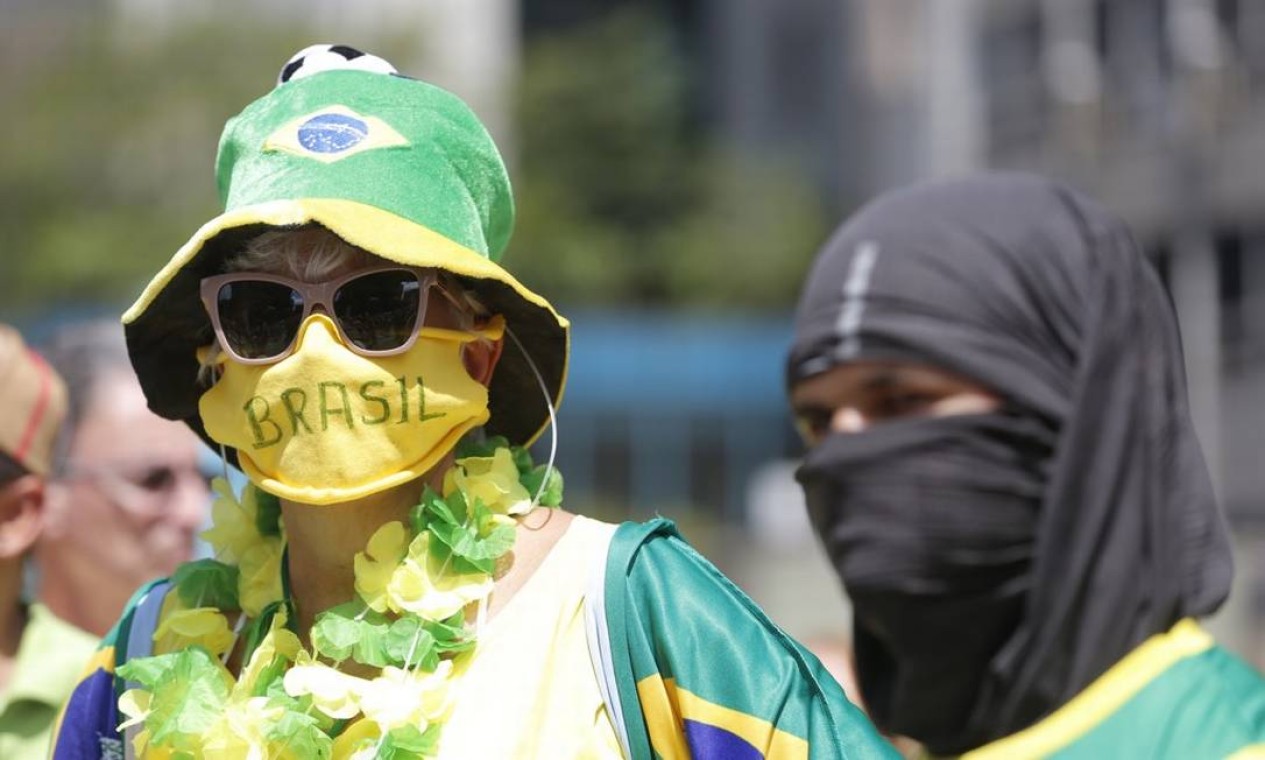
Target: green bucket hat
<point>393,165</point>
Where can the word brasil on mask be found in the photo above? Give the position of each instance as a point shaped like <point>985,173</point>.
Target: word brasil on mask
<point>382,404</point>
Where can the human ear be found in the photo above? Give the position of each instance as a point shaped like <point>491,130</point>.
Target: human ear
<point>21,515</point>
<point>480,358</point>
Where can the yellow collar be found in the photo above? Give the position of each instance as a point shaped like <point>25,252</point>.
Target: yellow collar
<point>1103,697</point>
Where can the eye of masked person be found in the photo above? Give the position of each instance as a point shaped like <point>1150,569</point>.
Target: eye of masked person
<point>852,398</point>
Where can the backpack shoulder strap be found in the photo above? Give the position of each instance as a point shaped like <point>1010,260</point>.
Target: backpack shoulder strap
<point>140,643</point>
<point>599,638</point>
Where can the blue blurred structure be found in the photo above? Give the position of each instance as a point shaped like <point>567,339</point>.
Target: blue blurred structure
<point>663,411</point>
<point>670,411</point>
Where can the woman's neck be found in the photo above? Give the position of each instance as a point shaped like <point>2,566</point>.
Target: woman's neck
<point>322,542</point>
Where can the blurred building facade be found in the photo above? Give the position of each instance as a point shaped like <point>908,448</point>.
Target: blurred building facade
<point>467,46</point>
<point>1158,108</point>
<point>1155,107</point>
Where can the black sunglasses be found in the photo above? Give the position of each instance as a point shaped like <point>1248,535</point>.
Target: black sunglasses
<point>257,316</point>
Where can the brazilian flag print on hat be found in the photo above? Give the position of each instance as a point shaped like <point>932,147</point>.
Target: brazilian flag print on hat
<point>393,165</point>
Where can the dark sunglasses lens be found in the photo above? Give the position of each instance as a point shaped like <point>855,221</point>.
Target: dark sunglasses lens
<point>259,319</point>
<point>378,312</point>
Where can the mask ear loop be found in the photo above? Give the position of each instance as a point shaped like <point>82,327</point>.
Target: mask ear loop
<point>553,417</point>
<point>481,614</point>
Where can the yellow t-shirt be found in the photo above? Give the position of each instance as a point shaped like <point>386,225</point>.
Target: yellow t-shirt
<point>530,690</point>
<point>50,658</point>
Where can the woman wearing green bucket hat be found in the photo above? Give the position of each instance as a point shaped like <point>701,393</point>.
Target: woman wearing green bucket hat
<point>397,580</point>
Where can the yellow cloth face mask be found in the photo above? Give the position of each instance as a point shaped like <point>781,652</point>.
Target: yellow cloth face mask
<point>325,425</point>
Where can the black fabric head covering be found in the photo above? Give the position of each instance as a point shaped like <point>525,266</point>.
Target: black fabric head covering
<point>1043,296</point>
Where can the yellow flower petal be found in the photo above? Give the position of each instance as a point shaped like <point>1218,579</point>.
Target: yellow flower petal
<point>233,529</point>
<point>334,693</point>
<point>142,748</point>
<point>240,733</point>
<point>279,641</point>
<point>425,586</point>
<point>203,626</point>
<point>400,697</point>
<point>358,741</point>
<point>134,703</point>
<point>259,581</point>
<point>495,521</point>
<point>378,561</point>
<point>492,480</point>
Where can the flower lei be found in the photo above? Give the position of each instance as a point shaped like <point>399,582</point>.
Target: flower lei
<point>413,584</point>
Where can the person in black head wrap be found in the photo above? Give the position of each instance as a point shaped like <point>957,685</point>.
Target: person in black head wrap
<point>1002,469</point>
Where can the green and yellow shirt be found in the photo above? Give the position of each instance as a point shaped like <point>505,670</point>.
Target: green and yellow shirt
<point>1178,695</point>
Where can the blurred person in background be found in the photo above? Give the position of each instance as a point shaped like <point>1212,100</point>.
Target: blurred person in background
<point>1002,469</point>
<point>128,495</point>
<point>41,657</point>
<point>388,585</point>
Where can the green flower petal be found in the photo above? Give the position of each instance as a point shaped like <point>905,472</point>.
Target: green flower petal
<point>409,644</point>
<point>207,583</point>
<point>267,510</point>
<point>532,480</point>
<point>189,689</point>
